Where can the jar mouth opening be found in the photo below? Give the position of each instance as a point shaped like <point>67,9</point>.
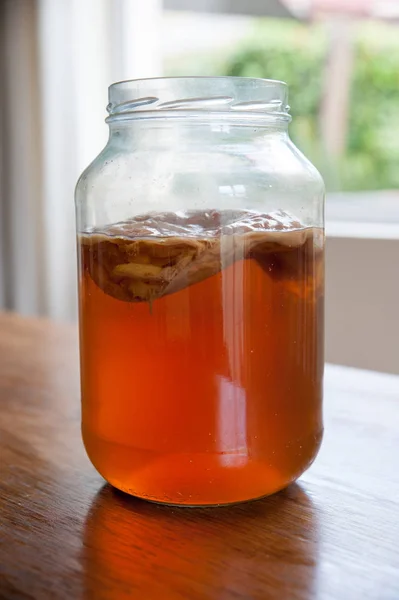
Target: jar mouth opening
<point>167,96</point>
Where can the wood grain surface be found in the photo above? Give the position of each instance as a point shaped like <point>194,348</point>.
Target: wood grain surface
<point>64,534</point>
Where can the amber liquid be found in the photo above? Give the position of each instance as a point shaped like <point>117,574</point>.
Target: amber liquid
<point>211,394</point>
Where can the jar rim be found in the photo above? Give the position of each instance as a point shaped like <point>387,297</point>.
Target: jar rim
<point>198,94</point>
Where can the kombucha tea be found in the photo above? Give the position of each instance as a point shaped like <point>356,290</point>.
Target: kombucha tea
<point>202,353</point>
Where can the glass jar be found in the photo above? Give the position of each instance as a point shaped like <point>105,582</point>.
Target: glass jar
<point>201,283</point>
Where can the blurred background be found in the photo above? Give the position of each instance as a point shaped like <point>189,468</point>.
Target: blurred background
<point>341,61</point>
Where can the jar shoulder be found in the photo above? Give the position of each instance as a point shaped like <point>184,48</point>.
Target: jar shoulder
<point>92,173</point>
<point>263,174</point>
<point>280,161</point>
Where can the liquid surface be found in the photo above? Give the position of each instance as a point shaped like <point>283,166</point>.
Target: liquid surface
<point>202,377</point>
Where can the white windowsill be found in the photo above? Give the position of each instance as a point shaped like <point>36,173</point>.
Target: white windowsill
<point>363,215</point>
<point>352,229</point>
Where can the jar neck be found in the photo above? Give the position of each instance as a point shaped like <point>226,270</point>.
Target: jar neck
<point>231,97</point>
<point>191,132</point>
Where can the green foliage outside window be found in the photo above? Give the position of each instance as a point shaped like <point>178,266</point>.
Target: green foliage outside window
<point>297,53</point>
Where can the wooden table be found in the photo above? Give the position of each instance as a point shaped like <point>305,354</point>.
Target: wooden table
<point>66,535</point>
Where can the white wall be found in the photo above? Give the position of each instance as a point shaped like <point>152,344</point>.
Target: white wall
<point>362,302</point>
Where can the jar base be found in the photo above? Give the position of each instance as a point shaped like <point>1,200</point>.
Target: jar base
<point>199,504</point>
<point>197,479</point>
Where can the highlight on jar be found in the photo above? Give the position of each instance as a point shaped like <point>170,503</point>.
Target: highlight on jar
<point>201,338</point>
